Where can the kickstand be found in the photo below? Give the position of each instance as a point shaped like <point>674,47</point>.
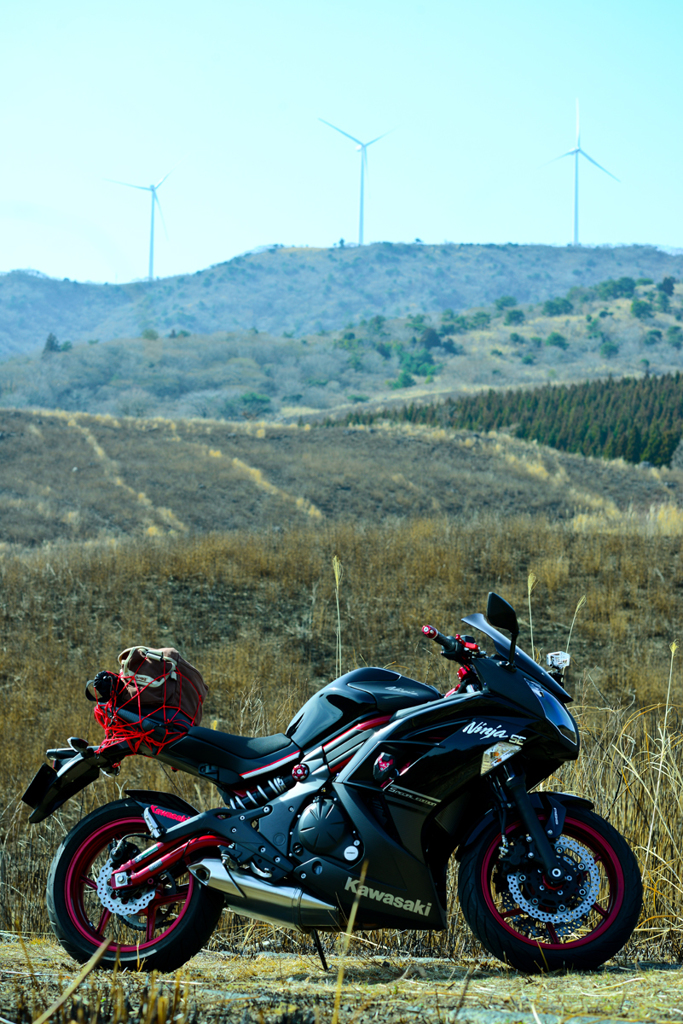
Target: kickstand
<point>318,946</point>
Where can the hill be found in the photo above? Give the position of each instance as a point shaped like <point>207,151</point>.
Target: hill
<point>618,327</point>
<point>80,478</point>
<point>300,291</point>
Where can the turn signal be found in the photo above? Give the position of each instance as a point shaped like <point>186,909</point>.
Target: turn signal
<point>495,755</point>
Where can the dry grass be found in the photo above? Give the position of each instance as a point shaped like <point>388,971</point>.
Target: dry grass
<point>258,614</point>
<point>73,477</point>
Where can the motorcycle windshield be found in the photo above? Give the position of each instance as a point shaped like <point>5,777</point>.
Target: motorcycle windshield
<point>502,645</point>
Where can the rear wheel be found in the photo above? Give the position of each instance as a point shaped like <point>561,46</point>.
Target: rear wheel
<point>534,926</point>
<point>158,928</point>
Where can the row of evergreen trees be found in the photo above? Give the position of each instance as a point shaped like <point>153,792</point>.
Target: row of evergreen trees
<point>633,419</point>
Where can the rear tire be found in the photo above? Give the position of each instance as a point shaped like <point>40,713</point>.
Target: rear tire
<point>535,938</point>
<point>168,932</point>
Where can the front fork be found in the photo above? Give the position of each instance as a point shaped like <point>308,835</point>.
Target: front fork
<point>509,787</point>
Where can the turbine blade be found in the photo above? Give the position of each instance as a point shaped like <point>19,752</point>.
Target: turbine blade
<point>353,139</point>
<point>555,159</point>
<point>163,180</point>
<point>380,137</point>
<point>598,165</point>
<point>145,188</point>
<point>161,212</point>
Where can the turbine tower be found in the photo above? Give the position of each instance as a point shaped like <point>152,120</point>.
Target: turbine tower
<point>362,148</point>
<point>576,152</point>
<point>155,201</point>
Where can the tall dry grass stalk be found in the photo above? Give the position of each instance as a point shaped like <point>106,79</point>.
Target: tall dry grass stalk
<point>664,740</point>
<point>531,582</point>
<point>581,602</point>
<point>338,573</point>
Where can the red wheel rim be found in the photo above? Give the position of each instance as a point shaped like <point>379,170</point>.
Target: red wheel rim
<point>81,899</point>
<point>604,910</point>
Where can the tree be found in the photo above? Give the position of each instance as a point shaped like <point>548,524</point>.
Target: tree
<point>556,339</point>
<point>641,309</point>
<point>557,307</point>
<point>666,285</point>
<point>430,339</point>
<point>149,334</point>
<point>673,336</point>
<point>514,317</point>
<point>505,302</point>
<point>51,345</point>
<point>608,349</point>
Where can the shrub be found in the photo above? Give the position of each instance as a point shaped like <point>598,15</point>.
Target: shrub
<point>254,400</point>
<point>359,398</point>
<point>149,334</point>
<point>557,340</point>
<point>480,321</point>
<point>450,347</point>
<point>623,288</point>
<point>383,350</point>
<point>66,346</point>
<point>528,359</point>
<point>514,316</point>
<point>417,322</point>
<point>93,341</point>
<point>497,352</point>
<point>674,336</point>
<point>644,280</point>
<point>505,302</point>
<point>51,345</point>
<point>641,309</point>
<point>663,304</point>
<point>516,339</point>
<point>535,340</point>
<point>652,337</point>
<point>430,339</point>
<point>608,349</point>
<point>557,307</point>
<point>404,380</point>
<point>666,285</point>
<point>376,324</point>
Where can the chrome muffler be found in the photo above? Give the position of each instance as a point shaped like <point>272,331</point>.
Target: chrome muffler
<point>254,897</point>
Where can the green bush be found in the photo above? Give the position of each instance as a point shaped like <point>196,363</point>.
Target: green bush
<point>254,400</point>
<point>608,349</point>
<point>516,339</point>
<point>505,302</point>
<point>528,359</point>
<point>430,339</point>
<point>514,316</point>
<point>674,336</point>
<point>666,286</point>
<point>404,380</point>
<point>652,337</point>
<point>557,340</point>
<point>641,309</point>
<point>480,321</point>
<point>624,288</point>
<point>149,334</point>
<point>557,307</point>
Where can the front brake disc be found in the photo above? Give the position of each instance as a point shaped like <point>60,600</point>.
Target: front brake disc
<point>584,863</point>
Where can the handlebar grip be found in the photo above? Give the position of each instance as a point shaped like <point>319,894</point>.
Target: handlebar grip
<point>432,633</point>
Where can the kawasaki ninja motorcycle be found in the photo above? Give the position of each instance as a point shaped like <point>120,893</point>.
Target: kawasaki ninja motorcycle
<point>377,783</point>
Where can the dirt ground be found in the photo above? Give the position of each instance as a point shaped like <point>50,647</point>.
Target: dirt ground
<point>267,987</point>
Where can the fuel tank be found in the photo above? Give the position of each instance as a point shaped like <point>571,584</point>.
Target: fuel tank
<point>352,697</point>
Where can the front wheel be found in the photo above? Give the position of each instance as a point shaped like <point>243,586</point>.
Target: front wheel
<point>534,926</point>
<point>159,929</point>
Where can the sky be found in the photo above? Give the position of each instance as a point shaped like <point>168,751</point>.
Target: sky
<point>225,97</point>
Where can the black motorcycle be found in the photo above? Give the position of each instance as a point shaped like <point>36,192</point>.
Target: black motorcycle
<point>377,783</point>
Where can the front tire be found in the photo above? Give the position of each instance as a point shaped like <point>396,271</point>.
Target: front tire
<point>164,935</point>
<point>519,920</point>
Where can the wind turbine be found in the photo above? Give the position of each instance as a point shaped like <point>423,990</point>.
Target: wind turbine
<point>155,201</point>
<point>576,152</point>
<point>362,148</point>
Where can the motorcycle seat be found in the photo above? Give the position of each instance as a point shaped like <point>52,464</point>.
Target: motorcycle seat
<point>239,754</point>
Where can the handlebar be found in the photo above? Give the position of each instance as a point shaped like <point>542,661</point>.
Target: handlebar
<point>449,643</point>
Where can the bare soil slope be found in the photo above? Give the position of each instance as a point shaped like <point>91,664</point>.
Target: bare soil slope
<point>80,477</point>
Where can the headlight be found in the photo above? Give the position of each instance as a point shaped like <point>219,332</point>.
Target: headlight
<point>495,755</point>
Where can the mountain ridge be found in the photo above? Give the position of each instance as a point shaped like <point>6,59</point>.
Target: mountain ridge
<point>298,291</point>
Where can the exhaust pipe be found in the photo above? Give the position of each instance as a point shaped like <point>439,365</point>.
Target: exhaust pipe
<point>254,897</point>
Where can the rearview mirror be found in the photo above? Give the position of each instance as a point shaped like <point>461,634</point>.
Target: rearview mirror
<point>501,614</point>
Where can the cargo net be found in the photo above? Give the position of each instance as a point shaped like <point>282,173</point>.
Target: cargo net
<point>148,709</point>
